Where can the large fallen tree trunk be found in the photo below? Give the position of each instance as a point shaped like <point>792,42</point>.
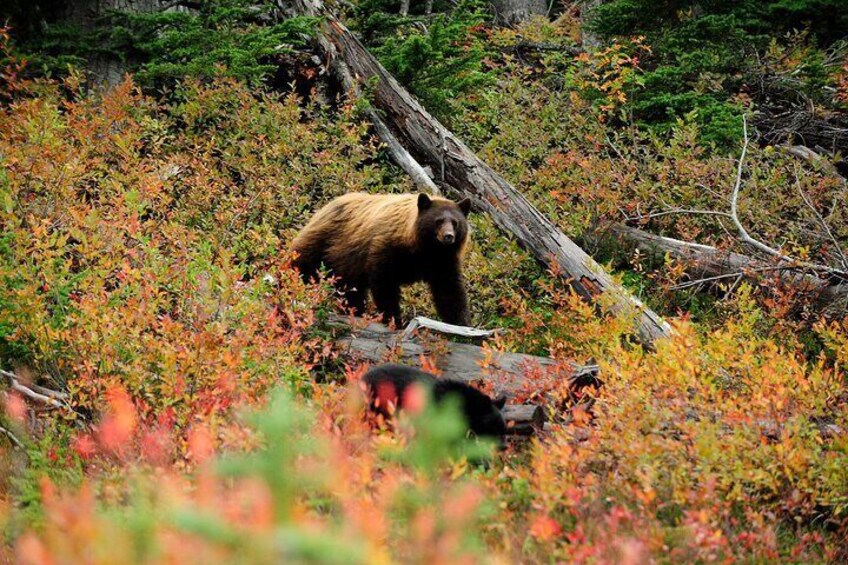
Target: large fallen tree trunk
<point>430,143</point>
<point>506,372</point>
<point>706,264</point>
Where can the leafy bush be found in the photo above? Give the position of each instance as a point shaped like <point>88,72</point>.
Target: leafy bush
<point>437,59</point>
<point>235,38</point>
<point>703,54</point>
<point>302,497</point>
<point>145,245</point>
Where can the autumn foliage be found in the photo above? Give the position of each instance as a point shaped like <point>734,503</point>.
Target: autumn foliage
<point>144,269</point>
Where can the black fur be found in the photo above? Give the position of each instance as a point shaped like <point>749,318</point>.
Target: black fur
<point>482,414</point>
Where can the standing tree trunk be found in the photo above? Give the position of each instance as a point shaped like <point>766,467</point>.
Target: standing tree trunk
<point>511,12</point>
<point>588,39</point>
<point>105,69</point>
<point>431,143</point>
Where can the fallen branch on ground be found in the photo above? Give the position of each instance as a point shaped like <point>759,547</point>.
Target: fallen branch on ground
<point>12,437</point>
<point>442,327</point>
<point>50,399</point>
<point>757,244</point>
<point>709,264</point>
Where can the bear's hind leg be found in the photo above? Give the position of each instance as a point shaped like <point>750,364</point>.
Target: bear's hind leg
<point>386,296</point>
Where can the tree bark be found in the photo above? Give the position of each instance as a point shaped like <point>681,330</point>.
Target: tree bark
<point>376,343</point>
<point>429,142</point>
<point>512,12</point>
<point>106,70</point>
<point>523,419</point>
<point>710,264</point>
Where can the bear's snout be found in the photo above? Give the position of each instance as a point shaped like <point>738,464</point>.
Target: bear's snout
<point>446,235</point>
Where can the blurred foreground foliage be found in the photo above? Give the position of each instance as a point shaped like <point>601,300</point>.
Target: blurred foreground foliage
<point>144,270</point>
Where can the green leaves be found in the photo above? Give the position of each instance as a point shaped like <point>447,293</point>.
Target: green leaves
<point>236,38</point>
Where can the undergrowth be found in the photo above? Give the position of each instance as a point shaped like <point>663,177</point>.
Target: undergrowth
<point>145,270</point>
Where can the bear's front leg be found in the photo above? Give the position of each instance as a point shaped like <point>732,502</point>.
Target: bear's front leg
<point>450,298</point>
<point>386,296</point>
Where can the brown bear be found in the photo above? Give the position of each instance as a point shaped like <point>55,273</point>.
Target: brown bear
<point>384,242</point>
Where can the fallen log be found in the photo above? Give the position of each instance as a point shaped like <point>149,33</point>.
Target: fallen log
<point>523,419</point>
<point>430,143</point>
<point>376,343</point>
<point>706,264</point>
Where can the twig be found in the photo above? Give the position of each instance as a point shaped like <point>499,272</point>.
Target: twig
<point>48,392</point>
<point>12,438</point>
<point>16,386</point>
<point>822,223</point>
<point>690,284</point>
<point>677,211</point>
<point>746,237</point>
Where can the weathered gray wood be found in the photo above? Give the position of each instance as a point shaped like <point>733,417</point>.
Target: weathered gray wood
<point>442,327</point>
<point>511,12</point>
<point>376,343</point>
<point>430,143</point>
<point>523,419</point>
<point>399,154</point>
<point>704,262</point>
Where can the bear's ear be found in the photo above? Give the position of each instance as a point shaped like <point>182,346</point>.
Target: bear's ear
<point>424,202</point>
<point>465,205</point>
<point>499,402</point>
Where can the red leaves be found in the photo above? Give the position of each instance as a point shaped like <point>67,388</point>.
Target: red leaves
<point>119,424</point>
<point>84,446</point>
<point>544,528</point>
<point>16,408</point>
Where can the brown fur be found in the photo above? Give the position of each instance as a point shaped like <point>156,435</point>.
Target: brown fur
<point>383,242</point>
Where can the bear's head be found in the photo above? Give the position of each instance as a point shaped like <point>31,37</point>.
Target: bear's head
<point>442,223</point>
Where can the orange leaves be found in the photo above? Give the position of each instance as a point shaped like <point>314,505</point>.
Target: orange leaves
<point>545,528</point>
<point>16,408</point>
<point>119,424</point>
<point>200,445</point>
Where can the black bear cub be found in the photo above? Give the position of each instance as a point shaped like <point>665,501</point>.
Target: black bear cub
<point>387,384</point>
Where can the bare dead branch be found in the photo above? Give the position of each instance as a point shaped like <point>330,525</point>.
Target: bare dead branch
<point>812,157</point>
<point>710,264</point>
<point>16,386</point>
<point>12,437</point>
<point>676,211</point>
<point>836,246</point>
<point>750,241</point>
<point>442,327</point>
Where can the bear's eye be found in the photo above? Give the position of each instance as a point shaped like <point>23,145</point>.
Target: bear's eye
<point>454,223</point>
